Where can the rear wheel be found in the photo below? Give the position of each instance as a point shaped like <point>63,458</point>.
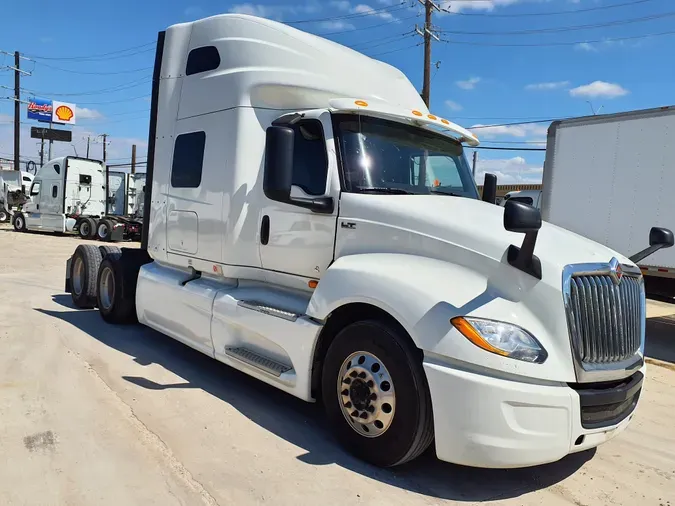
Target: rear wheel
<point>375,394</point>
<point>104,229</point>
<point>19,222</point>
<point>83,274</point>
<point>87,228</point>
<point>113,295</point>
<point>4,216</point>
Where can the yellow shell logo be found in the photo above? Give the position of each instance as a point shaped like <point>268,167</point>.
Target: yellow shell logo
<point>64,113</point>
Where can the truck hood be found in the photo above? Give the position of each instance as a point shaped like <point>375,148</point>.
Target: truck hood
<point>453,229</point>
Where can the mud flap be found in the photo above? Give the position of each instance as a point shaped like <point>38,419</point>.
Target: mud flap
<point>117,233</point>
<point>68,283</point>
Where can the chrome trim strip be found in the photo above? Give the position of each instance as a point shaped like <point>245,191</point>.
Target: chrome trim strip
<point>607,297</point>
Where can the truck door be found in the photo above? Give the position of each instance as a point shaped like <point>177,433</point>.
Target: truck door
<point>51,198</point>
<point>295,240</point>
<point>32,208</point>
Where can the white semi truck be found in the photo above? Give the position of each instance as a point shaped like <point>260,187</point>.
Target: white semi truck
<point>14,185</point>
<point>309,222</point>
<point>610,178</point>
<point>72,194</point>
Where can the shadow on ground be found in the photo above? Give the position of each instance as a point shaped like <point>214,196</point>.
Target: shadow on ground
<point>302,424</point>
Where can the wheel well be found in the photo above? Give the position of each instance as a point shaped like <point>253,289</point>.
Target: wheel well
<point>339,319</point>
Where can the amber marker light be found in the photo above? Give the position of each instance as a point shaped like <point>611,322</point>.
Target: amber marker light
<point>361,103</point>
<point>472,335</point>
<point>417,113</point>
<point>313,283</point>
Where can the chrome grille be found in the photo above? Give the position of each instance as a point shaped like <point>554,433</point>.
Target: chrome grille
<point>605,319</point>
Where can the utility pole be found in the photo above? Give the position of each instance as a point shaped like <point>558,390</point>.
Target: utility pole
<point>42,150</point>
<point>133,158</point>
<point>17,110</point>
<point>17,102</point>
<point>105,142</point>
<point>473,165</point>
<point>88,140</point>
<point>427,32</point>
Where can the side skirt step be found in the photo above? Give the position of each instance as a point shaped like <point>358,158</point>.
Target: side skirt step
<point>268,310</point>
<point>258,361</point>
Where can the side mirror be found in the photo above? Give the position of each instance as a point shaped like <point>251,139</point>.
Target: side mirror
<point>658,238</point>
<point>661,237</point>
<point>490,189</point>
<point>523,219</point>
<point>278,175</point>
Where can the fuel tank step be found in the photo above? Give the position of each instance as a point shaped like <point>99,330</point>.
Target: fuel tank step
<point>258,361</point>
<point>268,310</point>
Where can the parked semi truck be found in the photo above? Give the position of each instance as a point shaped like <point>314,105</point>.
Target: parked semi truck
<point>71,194</point>
<point>13,187</point>
<point>309,222</point>
<point>618,170</point>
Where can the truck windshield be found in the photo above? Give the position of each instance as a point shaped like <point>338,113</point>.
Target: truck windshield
<point>381,156</point>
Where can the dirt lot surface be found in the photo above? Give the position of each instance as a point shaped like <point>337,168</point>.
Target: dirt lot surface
<point>102,415</point>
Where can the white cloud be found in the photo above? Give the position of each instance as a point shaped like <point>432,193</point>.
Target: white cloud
<point>336,24</point>
<point>193,12</point>
<point>263,11</point>
<point>520,131</point>
<point>453,106</point>
<point>84,113</point>
<point>469,84</point>
<point>367,9</point>
<point>514,170</point>
<point>586,46</point>
<point>547,86</point>
<point>599,89</point>
<point>341,5</point>
<point>479,5</point>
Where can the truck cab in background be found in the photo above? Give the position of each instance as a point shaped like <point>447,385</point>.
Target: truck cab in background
<point>529,197</point>
<point>311,223</point>
<point>64,191</point>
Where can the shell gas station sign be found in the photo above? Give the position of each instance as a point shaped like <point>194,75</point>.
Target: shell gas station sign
<point>51,111</point>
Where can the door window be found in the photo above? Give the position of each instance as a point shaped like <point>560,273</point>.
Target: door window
<point>310,160</point>
<point>35,189</point>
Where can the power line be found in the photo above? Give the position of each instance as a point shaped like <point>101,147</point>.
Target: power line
<point>552,44</point>
<point>528,14</point>
<point>114,101</point>
<point>397,50</point>
<point>132,71</point>
<point>121,87</point>
<point>100,55</point>
<point>379,39</point>
<point>370,27</point>
<point>618,22</point>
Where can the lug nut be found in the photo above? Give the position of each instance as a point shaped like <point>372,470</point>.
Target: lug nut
<point>373,397</point>
<point>346,381</point>
<point>371,409</point>
<point>364,415</point>
<point>353,374</point>
<point>362,375</point>
<point>348,405</point>
<point>345,392</point>
<point>354,414</point>
<point>370,384</point>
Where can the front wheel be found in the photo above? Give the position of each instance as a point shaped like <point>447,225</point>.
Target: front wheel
<point>19,222</point>
<point>4,216</point>
<point>376,395</point>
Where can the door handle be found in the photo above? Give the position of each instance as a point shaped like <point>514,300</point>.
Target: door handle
<point>265,230</point>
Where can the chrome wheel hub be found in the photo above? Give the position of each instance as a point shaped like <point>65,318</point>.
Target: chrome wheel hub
<point>84,228</point>
<point>366,394</point>
<point>78,276</point>
<point>107,288</point>
<point>102,230</point>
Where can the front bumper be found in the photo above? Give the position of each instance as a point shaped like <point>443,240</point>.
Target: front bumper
<point>486,421</point>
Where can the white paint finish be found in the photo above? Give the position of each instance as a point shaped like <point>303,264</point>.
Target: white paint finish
<point>182,312</point>
<point>505,423</point>
<point>423,294</point>
<point>626,166</point>
<point>301,242</point>
<point>46,212</point>
<point>183,231</point>
<point>117,190</point>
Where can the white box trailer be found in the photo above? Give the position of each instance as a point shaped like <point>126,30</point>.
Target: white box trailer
<point>308,221</point>
<point>611,178</point>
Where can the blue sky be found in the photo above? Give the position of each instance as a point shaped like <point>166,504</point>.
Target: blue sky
<point>564,54</point>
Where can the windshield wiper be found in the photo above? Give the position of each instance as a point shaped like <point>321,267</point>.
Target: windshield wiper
<point>443,192</point>
<point>378,189</point>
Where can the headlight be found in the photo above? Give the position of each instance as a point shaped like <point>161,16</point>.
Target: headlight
<point>501,338</point>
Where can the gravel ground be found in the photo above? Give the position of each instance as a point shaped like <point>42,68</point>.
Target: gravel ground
<point>97,414</point>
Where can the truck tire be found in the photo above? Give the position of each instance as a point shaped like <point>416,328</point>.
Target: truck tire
<point>87,228</point>
<point>104,229</point>
<point>4,216</point>
<point>20,222</point>
<point>107,250</point>
<point>113,305</point>
<point>83,275</point>
<point>376,395</point>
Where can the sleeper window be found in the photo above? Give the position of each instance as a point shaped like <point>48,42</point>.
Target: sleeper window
<point>188,159</point>
<point>202,59</point>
